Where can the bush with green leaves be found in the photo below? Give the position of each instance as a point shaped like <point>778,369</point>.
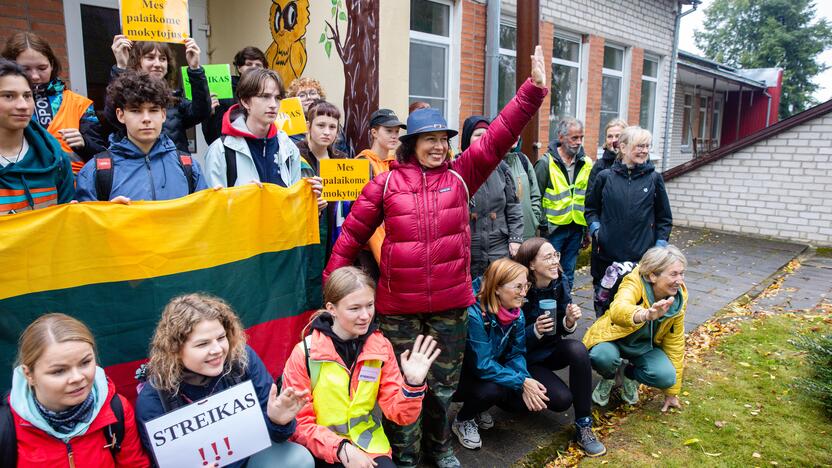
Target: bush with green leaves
<point>818,349</point>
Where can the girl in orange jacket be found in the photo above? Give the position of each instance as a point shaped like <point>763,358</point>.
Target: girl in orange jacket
<point>337,424</point>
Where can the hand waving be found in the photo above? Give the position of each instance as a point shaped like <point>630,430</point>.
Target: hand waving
<point>659,308</point>
<point>417,362</point>
<point>282,408</point>
<point>539,68</point>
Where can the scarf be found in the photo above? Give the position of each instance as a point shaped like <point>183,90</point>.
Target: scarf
<point>66,420</point>
<point>505,316</point>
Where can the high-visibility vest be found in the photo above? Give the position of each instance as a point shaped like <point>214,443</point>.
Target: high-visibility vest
<point>355,416</point>
<point>563,202</point>
<point>73,107</point>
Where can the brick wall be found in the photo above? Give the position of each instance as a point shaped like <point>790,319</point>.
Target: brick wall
<point>472,65</point>
<point>42,17</point>
<point>593,93</point>
<point>634,97</point>
<point>775,188</point>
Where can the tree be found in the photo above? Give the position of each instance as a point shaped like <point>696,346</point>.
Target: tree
<point>358,50</point>
<point>766,34</point>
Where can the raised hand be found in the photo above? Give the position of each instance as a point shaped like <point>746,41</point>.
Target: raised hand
<point>283,408</point>
<point>539,68</point>
<point>121,50</point>
<point>192,53</point>
<point>573,314</point>
<point>417,362</point>
<point>658,309</point>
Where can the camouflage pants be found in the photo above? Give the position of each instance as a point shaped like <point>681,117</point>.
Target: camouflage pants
<point>450,329</point>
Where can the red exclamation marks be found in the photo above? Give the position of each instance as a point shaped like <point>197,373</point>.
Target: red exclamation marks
<point>228,446</point>
<point>216,453</point>
<point>202,455</point>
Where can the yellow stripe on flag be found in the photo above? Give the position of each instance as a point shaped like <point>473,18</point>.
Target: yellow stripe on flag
<point>97,242</point>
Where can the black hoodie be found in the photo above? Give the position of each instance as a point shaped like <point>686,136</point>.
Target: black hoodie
<point>349,350</point>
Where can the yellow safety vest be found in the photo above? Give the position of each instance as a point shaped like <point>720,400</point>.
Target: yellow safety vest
<point>355,415</point>
<point>563,202</point>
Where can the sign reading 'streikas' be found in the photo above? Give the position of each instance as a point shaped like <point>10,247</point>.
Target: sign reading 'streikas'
<point>223,428</point>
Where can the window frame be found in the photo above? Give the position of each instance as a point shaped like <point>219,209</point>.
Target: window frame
<point>622,89</point>
<point>655,80</point>
<point>503,52</point>
<point>580,95</point>
<point>687,109</point>
<point>446,42</point>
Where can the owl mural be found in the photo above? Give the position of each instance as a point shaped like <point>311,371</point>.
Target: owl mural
<point>287,53</point>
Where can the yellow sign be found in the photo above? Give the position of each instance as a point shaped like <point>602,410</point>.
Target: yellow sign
<point>155,20</point>
<point>344,178</point>
<point>290,117</point>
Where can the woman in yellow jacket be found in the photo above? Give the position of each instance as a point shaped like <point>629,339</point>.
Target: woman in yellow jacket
<point>645,326</point>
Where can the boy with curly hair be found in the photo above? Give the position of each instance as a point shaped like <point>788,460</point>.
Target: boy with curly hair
<point>144,164</point>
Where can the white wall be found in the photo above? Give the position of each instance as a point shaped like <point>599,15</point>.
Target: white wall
<point>776,188</point>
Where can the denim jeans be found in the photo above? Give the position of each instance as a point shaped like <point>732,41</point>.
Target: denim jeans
<point>567,240</point>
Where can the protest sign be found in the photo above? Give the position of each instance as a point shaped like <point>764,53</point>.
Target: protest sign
<point>155,20</point>
<point>219,81</point>
<point>223,428</point>
<point>291,118</point>
<point>344,178</point>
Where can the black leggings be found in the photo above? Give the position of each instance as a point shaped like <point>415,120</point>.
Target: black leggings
<point>381,462</point>
<point>480,395</point>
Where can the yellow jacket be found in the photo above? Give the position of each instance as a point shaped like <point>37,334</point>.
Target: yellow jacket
<point>618,323</point>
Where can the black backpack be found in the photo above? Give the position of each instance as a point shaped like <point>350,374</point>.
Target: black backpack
<point>104,173</point>
<point>114,432</point>
<point>230,164</point>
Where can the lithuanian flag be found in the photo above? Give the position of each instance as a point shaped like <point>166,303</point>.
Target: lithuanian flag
<point>115,267</point>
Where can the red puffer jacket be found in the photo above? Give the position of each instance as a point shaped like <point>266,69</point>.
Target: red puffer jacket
<point>37,449</point>
<point>425,258</point>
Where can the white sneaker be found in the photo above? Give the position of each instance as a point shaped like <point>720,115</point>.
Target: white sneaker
<point>467,433</point>
<point>484,420</point>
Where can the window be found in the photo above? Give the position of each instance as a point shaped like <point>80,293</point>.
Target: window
<point>716,122</point>
<point>611,87</point>
<point>566,68</point>
<point>430,43</point>
<point>703,118</point>
<point>687,113</point>
<point>507,70</point>
<point>649,83</point>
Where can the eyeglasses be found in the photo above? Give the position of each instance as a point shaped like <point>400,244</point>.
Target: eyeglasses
<point>643,147</point>
<point>312,93</point>
<point>518,288</point>
<point>552,258</point>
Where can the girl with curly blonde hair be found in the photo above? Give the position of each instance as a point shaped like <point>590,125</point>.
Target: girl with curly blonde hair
<point>199,349</point>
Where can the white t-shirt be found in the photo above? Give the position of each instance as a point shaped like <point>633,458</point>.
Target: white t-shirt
<point>6,160</point>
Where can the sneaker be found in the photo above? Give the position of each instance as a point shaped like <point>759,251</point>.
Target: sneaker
<point>629,390</point>
<point>448,461</point>
<point>484,420</point>
<point>588,442</point>
<point>601,394</point>
<point>468,433</point>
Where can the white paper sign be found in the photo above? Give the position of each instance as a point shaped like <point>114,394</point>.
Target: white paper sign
<point>222,429</point>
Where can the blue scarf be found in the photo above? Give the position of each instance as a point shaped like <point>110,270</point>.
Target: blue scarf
<point>66,420</point>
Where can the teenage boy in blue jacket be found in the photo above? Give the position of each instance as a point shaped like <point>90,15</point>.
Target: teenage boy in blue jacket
<point>145,164</point>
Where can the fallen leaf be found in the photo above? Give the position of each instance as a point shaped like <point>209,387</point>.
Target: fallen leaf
<point>744,364</point>
<point>719,424</point>
<point>691,441</point>
<point>774,463</point>
<point>655,455</point>
<point>756,455</point>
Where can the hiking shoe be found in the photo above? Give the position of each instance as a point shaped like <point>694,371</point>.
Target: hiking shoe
<point>588,442</point>
<point>629,390</point>
<point>467,433</point>
<point>484,420</point>
<point>601,394</point>
<point>448,461</point>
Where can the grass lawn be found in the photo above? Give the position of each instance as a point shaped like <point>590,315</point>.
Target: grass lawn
<point>740,406</point>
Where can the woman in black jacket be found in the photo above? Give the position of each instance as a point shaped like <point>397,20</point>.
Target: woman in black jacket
<point>157,60</point>
<point>627,207</point>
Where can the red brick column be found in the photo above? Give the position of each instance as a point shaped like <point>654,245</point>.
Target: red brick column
<point>42,17</point>
<point>547,35</point>
<point>472,66</point>
<point>593,94</point>
<point>634,99</point>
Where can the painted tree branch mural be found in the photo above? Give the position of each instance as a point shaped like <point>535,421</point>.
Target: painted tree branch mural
<point>357,48</point>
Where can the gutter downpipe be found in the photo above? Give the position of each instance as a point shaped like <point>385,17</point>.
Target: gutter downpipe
<point>492,57</point>
<point>768,108</point>
<point>671,83</point>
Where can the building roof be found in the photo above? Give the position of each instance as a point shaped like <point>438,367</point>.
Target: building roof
<point>760,78</point>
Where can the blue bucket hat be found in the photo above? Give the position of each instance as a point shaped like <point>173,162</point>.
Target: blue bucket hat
<point>426,121</point>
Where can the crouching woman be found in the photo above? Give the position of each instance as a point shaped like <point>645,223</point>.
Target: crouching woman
<point>646,327</point>
<point>199,349</point>
<point>350,369</point>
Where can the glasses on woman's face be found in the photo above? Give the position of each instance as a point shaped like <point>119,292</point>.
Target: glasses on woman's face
<point>518,288</point>
<point>551,258</point>
<point>310,93</point>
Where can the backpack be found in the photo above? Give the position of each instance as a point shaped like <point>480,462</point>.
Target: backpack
<point>230,164</point>
<point>104,173</point>
<point>8,436</point>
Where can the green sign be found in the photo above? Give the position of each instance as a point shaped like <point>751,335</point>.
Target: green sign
<point>219,81</point>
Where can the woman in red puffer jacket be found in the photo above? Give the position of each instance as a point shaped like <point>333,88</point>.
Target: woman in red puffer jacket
<point>425,281</point>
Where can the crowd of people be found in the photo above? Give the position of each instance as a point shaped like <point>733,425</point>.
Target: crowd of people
<point>448,280</point>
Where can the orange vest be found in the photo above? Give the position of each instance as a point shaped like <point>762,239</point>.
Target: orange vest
<point>73,107</point>
<point>377,166</point>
